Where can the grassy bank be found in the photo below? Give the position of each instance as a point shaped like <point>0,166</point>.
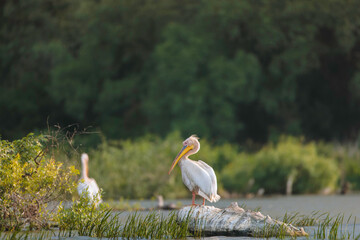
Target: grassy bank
<point>104,223</point>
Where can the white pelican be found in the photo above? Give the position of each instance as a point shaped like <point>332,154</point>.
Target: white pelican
<point>197,176</point>
<point>87,184</point>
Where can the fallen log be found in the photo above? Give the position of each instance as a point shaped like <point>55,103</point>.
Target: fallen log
<point>234,221</point>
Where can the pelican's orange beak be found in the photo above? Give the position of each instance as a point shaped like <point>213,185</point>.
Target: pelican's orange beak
<point>184,150</point>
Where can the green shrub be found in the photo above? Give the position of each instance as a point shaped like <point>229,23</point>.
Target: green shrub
<point>353,173</point>
<point>275,164</point>
<point>348,157</point>
<point>28,181</point>
<point>237,176</point>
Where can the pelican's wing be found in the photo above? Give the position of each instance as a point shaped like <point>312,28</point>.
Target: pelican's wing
<point>196,178</point>
<point>212,175</point>
<point>90,187</point>
<point>210,171</point>
<point>82,186</point>
<point>94,190</point>
<point>199,179</point>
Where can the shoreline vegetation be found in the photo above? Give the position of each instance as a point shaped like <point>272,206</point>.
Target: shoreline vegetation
<point>35,172</point>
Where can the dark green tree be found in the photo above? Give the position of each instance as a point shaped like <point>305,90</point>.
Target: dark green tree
<point>227,70</point>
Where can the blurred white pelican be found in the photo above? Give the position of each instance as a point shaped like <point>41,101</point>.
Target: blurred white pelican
<point>87,184</point>
<point>197,176</point>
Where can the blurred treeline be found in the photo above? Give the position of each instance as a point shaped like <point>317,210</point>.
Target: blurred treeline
<point>138,169</point>
<point>226,70</point>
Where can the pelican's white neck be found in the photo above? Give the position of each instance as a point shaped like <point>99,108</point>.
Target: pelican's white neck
<point>184,159</point>
<point>84,165</point>
<point>181,161</point>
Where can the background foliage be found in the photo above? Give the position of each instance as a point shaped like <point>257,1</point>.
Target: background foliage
<point>227,70</point>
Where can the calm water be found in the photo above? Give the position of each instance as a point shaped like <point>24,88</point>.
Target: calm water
<point>276,207</point>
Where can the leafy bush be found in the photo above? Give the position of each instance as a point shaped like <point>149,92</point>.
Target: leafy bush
<point>302,165</point>
<point>353,173</point>
<point>311,172</point>
<point>348,156</point>
<point>237,175</point>
<point>28,181</point>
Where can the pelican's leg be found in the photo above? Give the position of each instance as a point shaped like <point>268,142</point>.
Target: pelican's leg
<point>193,199</point>
<point>203,202</point>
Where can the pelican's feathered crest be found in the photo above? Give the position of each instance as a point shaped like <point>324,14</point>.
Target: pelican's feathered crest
<point>195,136</point>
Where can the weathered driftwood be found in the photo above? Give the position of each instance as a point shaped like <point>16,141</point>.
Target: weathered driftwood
<point>234,221</point>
